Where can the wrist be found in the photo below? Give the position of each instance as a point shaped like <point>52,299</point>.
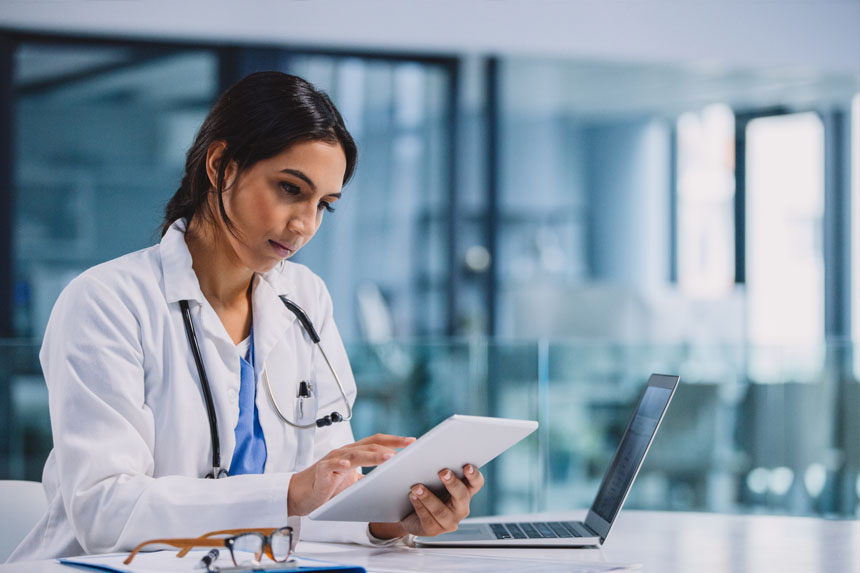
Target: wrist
<point>386,530</point>
<point>295,495</point>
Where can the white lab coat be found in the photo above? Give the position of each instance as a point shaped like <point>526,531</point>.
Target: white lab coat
<point>131,434</point>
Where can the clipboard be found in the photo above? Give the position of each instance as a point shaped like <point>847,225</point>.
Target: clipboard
<point>167,562</point>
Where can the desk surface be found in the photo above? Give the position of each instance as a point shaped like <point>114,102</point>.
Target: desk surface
<point>662,542</point>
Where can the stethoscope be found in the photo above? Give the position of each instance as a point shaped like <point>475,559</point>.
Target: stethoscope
<point>305,388</point>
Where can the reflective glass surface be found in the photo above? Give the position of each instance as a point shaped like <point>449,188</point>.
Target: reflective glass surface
<point>101,134</point>
<point>728,443</point>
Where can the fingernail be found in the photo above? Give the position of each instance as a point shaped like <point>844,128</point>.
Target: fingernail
<point>413,497</point>
<point>446,475</point>
<point>387,456</point>
<point>411,439</point>
<point>419,491</point>
<point>470,469</point>
<point>344,463</point>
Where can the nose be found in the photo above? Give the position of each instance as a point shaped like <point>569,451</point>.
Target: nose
<point>303,219</point>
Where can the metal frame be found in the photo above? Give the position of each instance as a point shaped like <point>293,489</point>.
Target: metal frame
<point>673,204</point>
<point>7,207</point>
<point>7,193</point>
<point>494,152</point>
<point>838,302</point>
<point>837,223</point>
<point>455,271</point>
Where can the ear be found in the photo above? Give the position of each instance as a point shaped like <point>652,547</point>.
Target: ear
<point>214,156</point>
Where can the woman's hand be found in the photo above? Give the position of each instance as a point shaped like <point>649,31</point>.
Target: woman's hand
<point>433,516</point>
<point>338,470</point>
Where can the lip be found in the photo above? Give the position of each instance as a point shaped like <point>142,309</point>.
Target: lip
<point>281,250</point>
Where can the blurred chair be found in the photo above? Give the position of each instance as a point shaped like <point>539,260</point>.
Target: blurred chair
<point>383,368</point>
<point>786,429</point>
<point>692,451</point>
<point>376,325</point>
<point>22,504</point>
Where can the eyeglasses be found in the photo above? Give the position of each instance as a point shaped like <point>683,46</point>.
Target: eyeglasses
<point>244,544</point>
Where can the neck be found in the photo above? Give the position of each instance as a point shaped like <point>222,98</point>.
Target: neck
<point>225,282</point>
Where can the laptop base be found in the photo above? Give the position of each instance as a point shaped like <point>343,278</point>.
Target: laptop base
<point>515,534</point>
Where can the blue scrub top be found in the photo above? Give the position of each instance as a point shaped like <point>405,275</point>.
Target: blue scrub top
<point>249,457</point>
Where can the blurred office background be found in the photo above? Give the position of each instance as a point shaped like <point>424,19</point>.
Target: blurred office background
<point>553,200</point>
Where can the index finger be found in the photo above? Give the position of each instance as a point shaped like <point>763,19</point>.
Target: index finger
<point>387,440</point>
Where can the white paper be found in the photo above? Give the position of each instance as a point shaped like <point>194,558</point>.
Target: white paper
<point>400,558</point>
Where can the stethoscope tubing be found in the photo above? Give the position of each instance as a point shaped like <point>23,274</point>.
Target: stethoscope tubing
<point>301,315</point>
<point>314,424</point>
<point>204,384</point>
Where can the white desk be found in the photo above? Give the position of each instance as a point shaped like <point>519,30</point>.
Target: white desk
<point>661,542</point>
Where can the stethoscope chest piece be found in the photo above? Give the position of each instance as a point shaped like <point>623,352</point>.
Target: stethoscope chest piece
<point>306,403</point>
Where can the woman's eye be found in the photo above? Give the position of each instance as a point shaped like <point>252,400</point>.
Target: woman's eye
<point>327,206</point>
<point>290,188</point>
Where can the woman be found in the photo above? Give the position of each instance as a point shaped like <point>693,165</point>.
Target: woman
<point>132,441</point>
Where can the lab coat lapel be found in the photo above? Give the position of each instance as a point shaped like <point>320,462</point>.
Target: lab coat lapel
<point>275,345</point>
<point>181,283</point>
<point>219,354</point>
<point>271,320</point>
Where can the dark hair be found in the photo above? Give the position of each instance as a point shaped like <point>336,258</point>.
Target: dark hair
<point>258,118</point>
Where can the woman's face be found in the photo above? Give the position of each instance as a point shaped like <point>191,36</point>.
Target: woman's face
<point>277,204</point>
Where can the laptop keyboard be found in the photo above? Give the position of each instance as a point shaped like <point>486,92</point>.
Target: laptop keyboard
<point>540,530</point>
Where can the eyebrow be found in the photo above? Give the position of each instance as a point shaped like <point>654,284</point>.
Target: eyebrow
<point>307,180</point>
<point>301,176</point>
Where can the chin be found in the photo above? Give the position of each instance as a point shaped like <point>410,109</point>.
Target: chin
<point>262,264</point>
<point>268,266</point>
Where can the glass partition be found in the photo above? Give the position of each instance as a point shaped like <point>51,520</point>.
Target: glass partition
<point>730,442</point>
<point>101,138</point>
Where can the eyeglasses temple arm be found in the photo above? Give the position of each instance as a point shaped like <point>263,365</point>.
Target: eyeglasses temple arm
<point>184,543</point>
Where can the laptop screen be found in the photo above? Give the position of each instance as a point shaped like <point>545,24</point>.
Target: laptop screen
<point>628,458</point>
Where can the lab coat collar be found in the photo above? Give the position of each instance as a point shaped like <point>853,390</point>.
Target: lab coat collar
<point>180,281</point>
<point>271,317</point>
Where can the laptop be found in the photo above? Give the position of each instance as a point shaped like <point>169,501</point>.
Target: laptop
<point>610,497</point>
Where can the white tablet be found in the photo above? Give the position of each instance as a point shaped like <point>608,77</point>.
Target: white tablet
<point>383,496</point>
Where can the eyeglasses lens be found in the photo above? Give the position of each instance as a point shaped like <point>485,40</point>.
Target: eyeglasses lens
<point>281,542</point>
<point>247,547</point>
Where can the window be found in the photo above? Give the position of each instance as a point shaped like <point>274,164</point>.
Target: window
<point>784,251</point>
<point>855,225</point>
<point>706,191</point>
